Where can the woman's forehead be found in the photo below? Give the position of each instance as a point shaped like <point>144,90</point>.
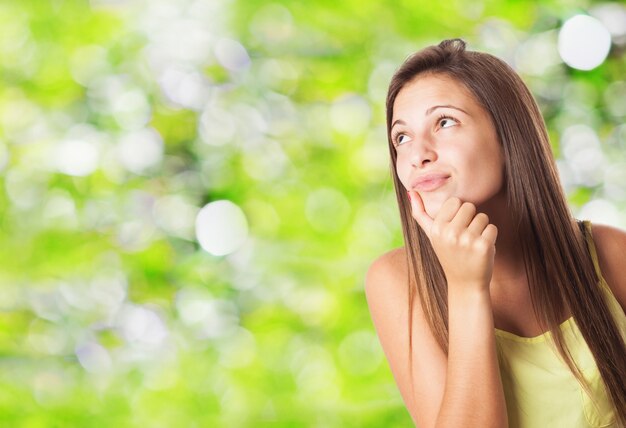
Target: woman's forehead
<point>434,86</point>
<point>424,92</point>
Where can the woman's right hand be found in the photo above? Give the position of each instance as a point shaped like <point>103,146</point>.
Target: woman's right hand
<point>463,240</point>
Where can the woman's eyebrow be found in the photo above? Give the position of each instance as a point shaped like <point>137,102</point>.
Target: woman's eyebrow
<point>398,122</point>
<point>433,108</point>
<point>429,111</point>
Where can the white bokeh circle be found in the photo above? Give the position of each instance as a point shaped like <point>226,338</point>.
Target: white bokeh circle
<point>584,42</point>
<point>221,227</point>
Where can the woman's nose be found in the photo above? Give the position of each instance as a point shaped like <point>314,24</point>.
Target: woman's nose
<point>423,153</point>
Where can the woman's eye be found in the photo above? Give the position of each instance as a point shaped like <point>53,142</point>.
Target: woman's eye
<point>401,138</point>
<point>446,122</point>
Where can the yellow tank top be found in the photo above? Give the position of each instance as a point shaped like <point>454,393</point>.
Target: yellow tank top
<point>540,389</point>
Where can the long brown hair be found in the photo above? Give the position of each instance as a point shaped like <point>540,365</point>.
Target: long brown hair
<point>553,248</point>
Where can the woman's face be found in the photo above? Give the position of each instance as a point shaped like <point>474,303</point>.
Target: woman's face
<point>445,142</point>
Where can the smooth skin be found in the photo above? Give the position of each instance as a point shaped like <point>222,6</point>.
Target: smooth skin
<point>438,127</point>
<point>486,289</point>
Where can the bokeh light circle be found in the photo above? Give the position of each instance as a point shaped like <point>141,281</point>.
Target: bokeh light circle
<point>221,227</point>
<point>584,42</point>
<point>77,157</point>
<point>140,150</point>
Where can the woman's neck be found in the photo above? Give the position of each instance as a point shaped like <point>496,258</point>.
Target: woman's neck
<point>508,266</point>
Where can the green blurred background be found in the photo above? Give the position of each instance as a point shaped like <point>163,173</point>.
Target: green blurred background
<point>191,192</point>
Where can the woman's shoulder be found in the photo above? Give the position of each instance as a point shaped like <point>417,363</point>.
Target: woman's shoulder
<point>389,268</point>
<point>387,282</point>
<point>610,245</point>
<point>395,256</point>
<point>609,236</point>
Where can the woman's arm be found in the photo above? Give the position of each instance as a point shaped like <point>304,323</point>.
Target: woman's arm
<point>386,289</point>
<point>464,388</point>
<point>473,391</point>
<point>473,395</point>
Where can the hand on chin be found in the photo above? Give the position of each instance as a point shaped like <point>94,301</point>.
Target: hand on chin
<point>433,202</point>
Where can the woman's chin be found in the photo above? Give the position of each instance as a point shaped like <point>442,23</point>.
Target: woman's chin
<point>433,203</point>
<point>432,213</point>
<point>432,209</point>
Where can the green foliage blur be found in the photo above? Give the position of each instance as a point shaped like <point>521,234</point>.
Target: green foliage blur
<point>121,119</point>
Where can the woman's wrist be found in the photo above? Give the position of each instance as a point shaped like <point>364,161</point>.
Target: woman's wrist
<point>468,290</point>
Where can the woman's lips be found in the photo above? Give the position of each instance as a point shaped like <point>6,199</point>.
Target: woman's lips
<point>430,182</point>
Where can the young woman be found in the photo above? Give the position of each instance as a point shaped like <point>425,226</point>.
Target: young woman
<point>501,310</point>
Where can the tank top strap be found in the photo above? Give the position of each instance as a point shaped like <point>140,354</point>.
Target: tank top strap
<point>614,306</point>
<point>585,227</point>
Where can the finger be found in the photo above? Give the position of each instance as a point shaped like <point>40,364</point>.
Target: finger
<point>490,233</point>
<point>464,216</point>
<point>419,212</point>
<point>478,224</point>
<point>448,210</point>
